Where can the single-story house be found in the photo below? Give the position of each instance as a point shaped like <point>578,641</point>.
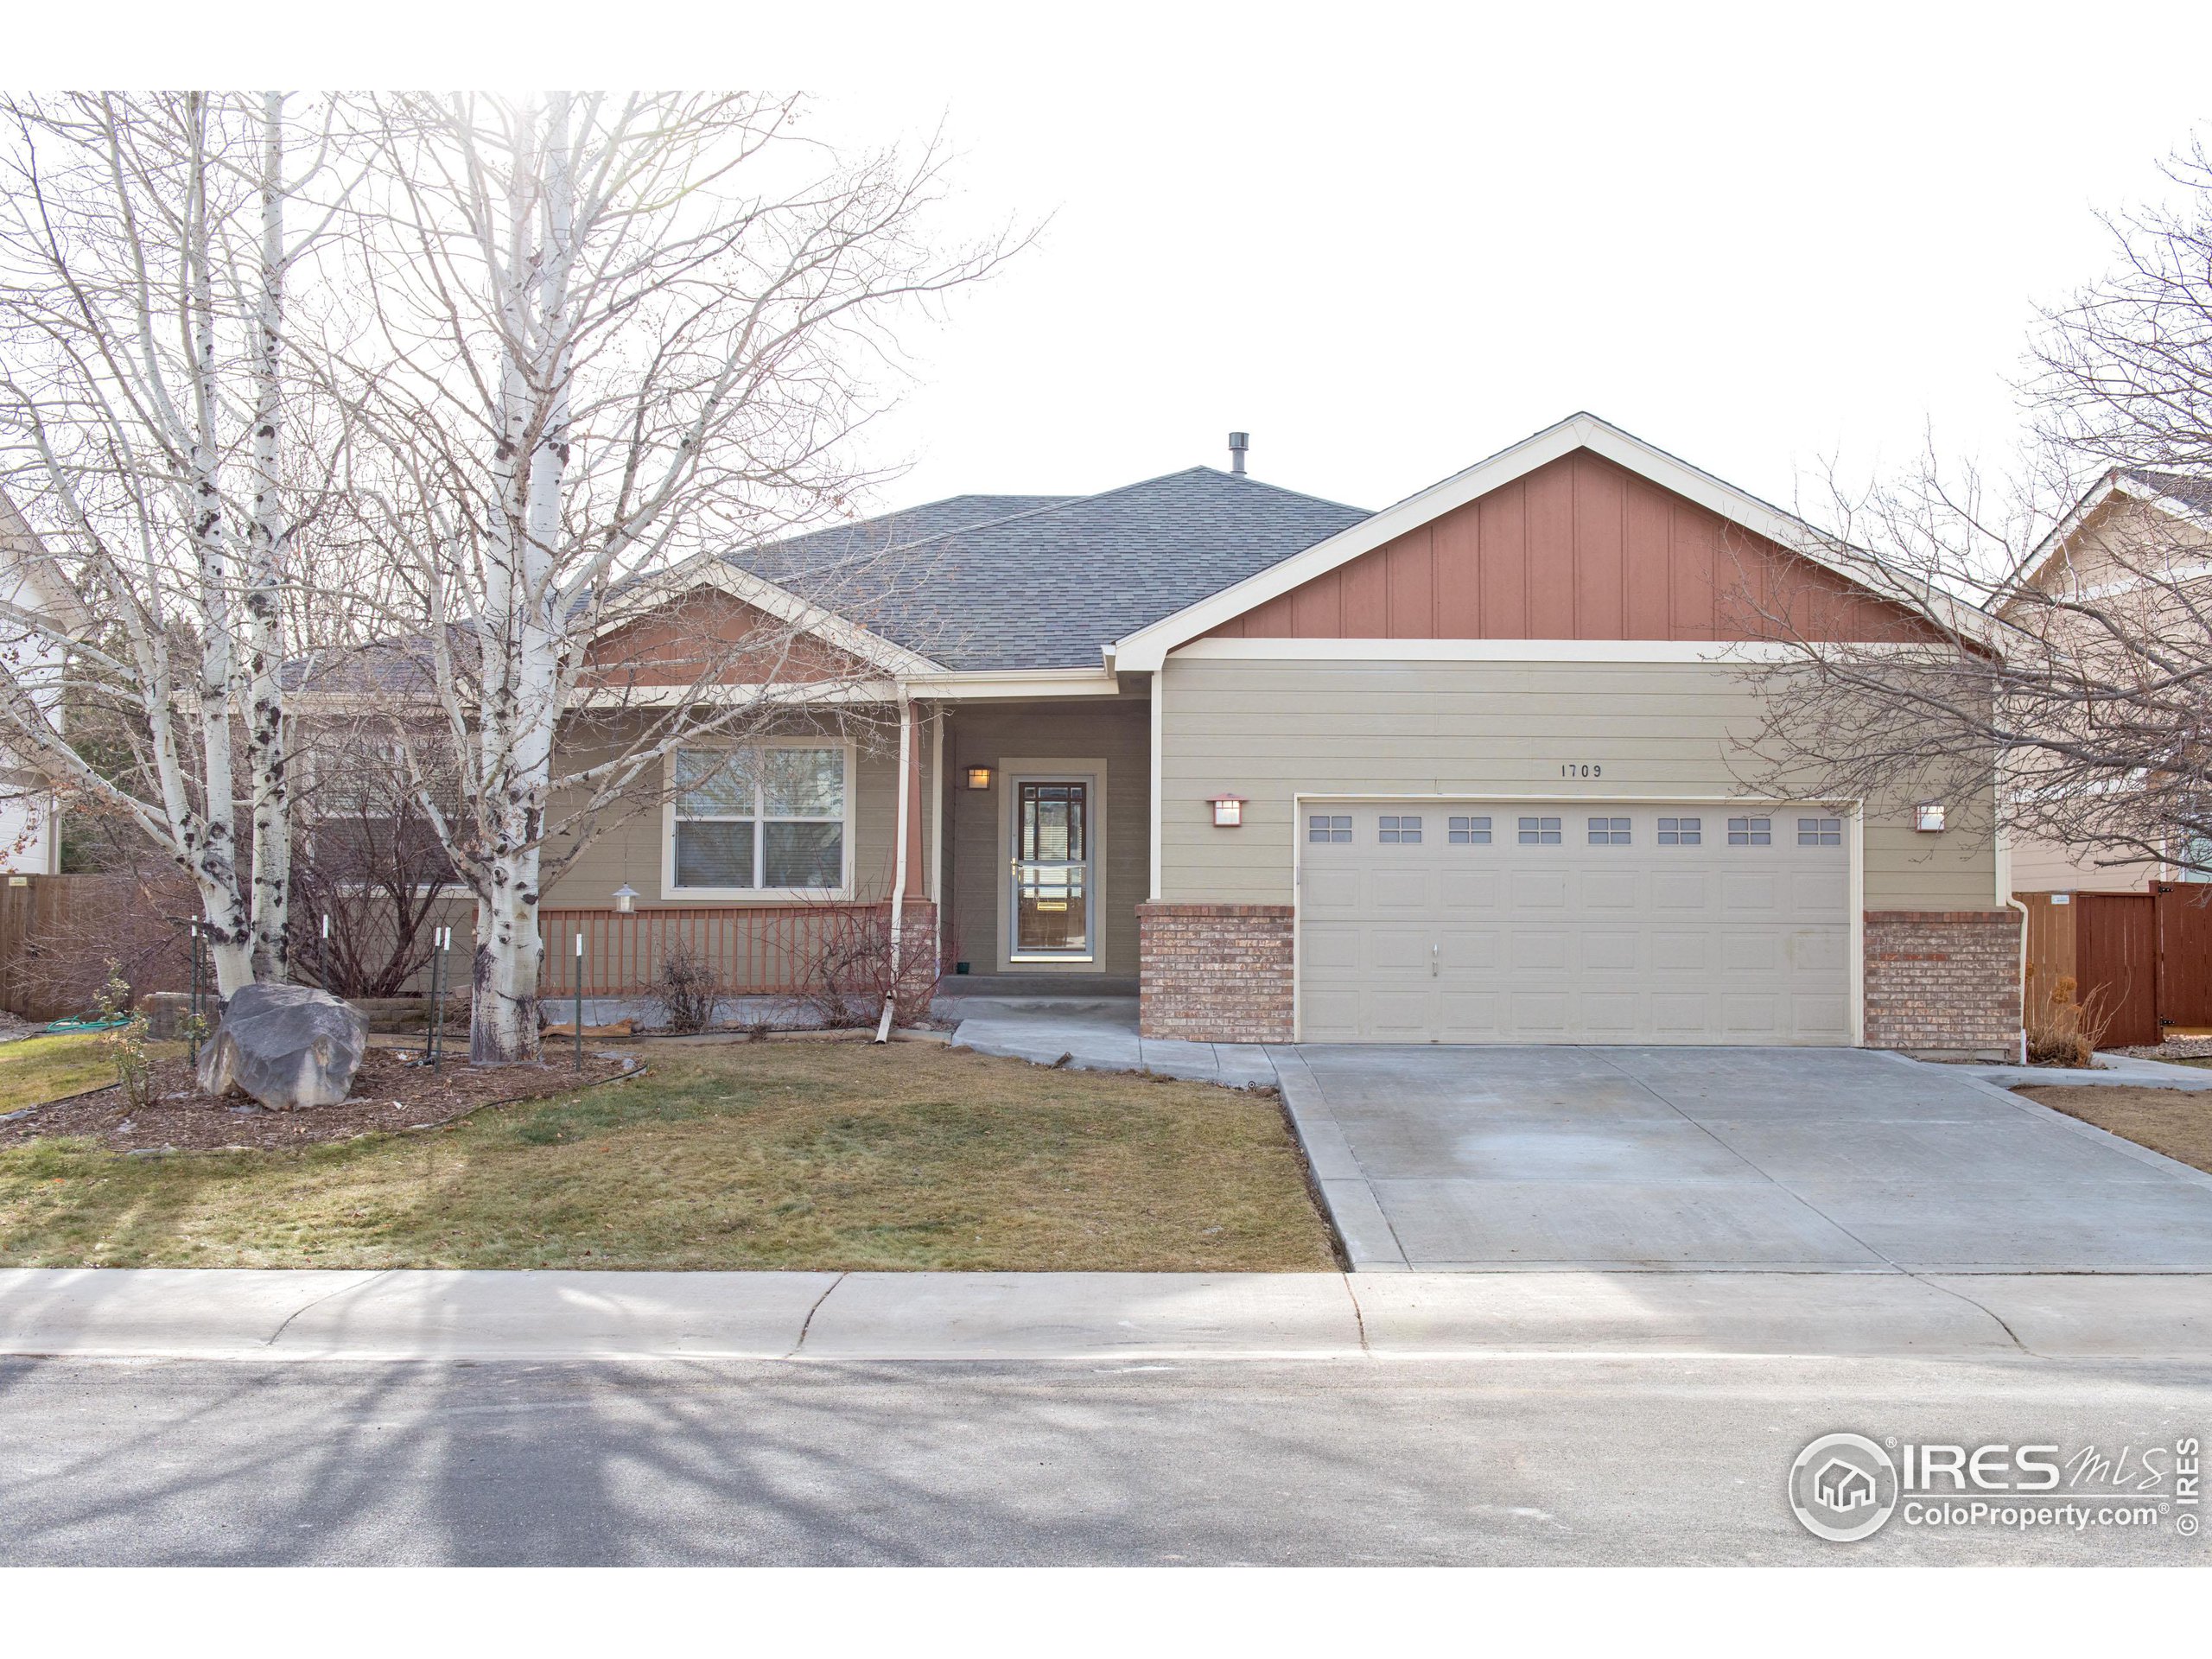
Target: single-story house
<point>1470,769</point>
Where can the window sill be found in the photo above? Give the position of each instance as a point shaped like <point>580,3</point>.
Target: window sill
<point>1056,956</point>
<point>755,895</point>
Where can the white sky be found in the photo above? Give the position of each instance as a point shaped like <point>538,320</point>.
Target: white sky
<point>1754,242</point>
<point>1388,240</point>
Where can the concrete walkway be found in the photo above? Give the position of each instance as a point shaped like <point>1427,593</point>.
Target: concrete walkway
<point>1745,1159</point>
<point>1099,1034</point>
<point>330,1316</point>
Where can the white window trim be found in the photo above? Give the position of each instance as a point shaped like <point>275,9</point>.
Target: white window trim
<point>671,893</point>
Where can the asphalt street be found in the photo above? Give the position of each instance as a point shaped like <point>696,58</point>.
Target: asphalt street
<point>1490,1460</point>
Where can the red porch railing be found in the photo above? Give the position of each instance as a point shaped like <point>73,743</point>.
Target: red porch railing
<point>757,950</point>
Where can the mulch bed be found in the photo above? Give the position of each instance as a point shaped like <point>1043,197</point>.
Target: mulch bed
<point>391,1092</point>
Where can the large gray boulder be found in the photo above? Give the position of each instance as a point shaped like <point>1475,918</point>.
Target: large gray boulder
<point>286,1046</point>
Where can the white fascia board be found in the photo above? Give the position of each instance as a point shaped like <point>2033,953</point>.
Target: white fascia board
<point>951,686</point>
<point>1487,651</point>
<point>1145,650</point>
<point>708,570</point>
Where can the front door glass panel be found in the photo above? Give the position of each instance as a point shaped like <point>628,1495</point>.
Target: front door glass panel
<point>1052,869</point>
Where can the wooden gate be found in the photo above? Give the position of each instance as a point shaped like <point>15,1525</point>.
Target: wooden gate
<point>2184,948</point>
<point>2115,963</point>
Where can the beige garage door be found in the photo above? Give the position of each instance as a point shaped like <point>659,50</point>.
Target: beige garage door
<point>1572,922</point>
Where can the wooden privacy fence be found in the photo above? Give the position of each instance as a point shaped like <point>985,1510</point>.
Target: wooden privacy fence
<point>756,950</point>
<point>31,906</point>
<point>2143,958</point>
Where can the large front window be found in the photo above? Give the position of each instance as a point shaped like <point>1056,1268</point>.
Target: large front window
<point>768,819</point>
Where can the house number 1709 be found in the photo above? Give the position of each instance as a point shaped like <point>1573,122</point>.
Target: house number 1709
<point>1582,769</point>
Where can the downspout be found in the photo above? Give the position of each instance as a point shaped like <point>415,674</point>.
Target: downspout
<point>899,866</point>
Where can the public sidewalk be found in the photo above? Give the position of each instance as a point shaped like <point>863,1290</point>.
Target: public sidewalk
<point>405,1316</point>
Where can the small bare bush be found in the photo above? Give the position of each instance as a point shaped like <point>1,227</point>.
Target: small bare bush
<point>846,972</point>
<point>687,989</point>
<point>2063,1030</point>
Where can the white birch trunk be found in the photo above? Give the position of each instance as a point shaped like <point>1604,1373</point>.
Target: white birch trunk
<point>518,739</point>
<point>262,702</point>
<point>212,843</point>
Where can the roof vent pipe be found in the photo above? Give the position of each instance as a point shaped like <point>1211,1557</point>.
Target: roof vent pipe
<point>1238,443</point>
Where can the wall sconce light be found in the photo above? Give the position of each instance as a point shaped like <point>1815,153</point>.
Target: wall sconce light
<point>1928,816</point>
<point>979,776</point>
<point>626,899</point>
<point>1228,812</point>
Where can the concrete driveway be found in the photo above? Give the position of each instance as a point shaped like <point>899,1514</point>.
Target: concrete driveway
<point>1814,1160</point>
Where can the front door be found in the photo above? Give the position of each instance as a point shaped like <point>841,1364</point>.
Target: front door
<point>1052,869</point>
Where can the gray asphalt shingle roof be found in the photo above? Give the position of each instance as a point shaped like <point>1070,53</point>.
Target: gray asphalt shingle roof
<point>982,582</point>
<point>2191,491</point>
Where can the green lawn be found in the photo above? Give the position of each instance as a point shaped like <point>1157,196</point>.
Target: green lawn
<point>46,1068</point>
<point>756,1155</point>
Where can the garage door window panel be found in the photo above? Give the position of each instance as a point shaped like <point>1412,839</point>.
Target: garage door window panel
<point>1540,832</point>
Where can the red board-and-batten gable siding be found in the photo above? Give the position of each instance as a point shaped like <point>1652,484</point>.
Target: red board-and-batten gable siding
<point>1580,548</point>
<point>708,637</point>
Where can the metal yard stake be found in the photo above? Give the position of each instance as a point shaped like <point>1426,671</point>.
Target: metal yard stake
<point>580,1001</point>
<point>440,938</point>
<point>193,928</point>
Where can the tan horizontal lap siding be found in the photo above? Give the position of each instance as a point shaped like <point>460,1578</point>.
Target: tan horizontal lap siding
<point>1269,729</point>
<point>629,847</point>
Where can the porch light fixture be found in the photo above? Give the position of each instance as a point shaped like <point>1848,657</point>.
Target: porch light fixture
<point>626,899</point>
<point>1228,812</point>
<point>979,776</point>
<point>1927,817</point>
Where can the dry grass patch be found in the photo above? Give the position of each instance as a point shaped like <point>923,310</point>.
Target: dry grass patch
<point>40,1069</point>
<point>758,1155</point>
<point>2165,1120</point>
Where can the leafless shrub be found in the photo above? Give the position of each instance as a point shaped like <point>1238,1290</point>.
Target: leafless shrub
<point>846,973</point>
<point>686,988</point>
<point>2063,1030</point>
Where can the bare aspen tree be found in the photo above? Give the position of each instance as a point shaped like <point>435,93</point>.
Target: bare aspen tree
<point>606,341</point>
<point>142,272</point>
<point>2090,691</point>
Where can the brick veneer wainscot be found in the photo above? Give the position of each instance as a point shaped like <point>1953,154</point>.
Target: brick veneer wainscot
<point>1216,973</point>
<point>1943,982</point>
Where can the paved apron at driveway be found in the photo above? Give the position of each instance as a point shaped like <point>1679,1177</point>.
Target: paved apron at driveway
<point>1817,1159</point>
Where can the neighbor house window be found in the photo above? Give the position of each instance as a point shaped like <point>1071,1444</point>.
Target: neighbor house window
<point>1467,832</point>
<point>1397,830</point>
<point>1681,832</point>
<point>1751,832</point>
<point>770,818</point>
